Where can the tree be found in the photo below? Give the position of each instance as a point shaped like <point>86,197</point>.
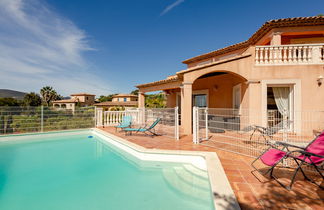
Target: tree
<point>9,102</point>
<point>155,101</point>
<point>106,98</point>
<point>48,95</point>
<point>59,97</point>
<point>32,99</point>
<point>135,92</point>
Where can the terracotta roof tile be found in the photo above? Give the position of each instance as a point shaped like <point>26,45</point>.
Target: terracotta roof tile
<point>263,30</point>
<point>172,78</point>
<point>72,100</point>
<point>117,103</point>
<point>82,94</point>
<point>124,95</point>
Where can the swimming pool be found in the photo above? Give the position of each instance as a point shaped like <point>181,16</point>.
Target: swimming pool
<point>69,170</point>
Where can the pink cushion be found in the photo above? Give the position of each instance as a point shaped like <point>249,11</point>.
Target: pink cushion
<point>272,156</point>
<point>317,147</point>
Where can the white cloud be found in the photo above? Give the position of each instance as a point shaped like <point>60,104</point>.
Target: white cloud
<point>39,47</point>
<point>171,6</point>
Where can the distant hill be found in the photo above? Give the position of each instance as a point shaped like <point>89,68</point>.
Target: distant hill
<point>5,93</point>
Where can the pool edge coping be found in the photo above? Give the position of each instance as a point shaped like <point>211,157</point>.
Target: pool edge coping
<point>217,177</point>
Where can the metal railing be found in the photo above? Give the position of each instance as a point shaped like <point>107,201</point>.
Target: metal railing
<point>141,117</point>
<point>241,131</point>
<point>14,120</point>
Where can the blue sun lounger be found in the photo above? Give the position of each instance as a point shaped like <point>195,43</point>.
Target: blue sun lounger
<point>125,123</point>
<point>146,130</point>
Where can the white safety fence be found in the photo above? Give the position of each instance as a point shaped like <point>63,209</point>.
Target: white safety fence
<point>245,132</point>
<point>143,117</point>
<point>15,120</point>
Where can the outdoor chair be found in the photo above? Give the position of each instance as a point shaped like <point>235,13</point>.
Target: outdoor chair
<point>150,131</point>
<point>311,155</point>
<point>125,123</point>
<point>268,132</point>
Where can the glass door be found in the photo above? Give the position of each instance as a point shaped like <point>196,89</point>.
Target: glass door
<point>279,104</point>
<point>200,100</point>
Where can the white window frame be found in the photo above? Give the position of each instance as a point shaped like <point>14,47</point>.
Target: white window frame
<point>237,87</point>
<point>295,98</point>
<point>202,92</point>
<point>195,92</point>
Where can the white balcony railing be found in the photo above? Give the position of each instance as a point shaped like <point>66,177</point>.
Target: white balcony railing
<point>112,118</point>
<point>289,54</point>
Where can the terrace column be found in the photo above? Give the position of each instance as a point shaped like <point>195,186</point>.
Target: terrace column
<point>141,100</point>
<point>276,39</point>
<point>186,108</point>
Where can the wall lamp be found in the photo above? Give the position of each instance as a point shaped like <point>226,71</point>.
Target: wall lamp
<point>320,80</point>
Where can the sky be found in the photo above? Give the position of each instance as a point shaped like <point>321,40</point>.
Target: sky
<point>109,46</point>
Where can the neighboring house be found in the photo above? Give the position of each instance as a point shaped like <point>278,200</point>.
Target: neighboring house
<point>120,100</point>
<point>80,99</point>
<point>280,67</point>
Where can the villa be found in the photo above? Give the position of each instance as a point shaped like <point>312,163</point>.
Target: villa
<point>80,99</point>
<point>231,115</point>
<point>119,100</point>
<point>279,70</point>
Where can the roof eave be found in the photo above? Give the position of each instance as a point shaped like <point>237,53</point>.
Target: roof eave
<point>263,30</point>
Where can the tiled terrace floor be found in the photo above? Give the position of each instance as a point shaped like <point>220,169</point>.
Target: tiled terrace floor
<point>251,192</point>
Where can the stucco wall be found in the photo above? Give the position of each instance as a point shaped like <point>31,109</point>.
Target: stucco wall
<point>220,89</point>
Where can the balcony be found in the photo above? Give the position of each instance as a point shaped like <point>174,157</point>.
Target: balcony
<point>289,54</point>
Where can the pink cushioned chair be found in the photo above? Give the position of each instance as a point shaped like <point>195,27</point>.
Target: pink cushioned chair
<point>312,154</point>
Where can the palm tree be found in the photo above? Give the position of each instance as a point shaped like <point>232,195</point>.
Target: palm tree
<point>48,94</point>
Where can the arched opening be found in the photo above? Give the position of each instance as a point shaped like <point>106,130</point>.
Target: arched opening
<point>63,106</point>
<point>223,93</point>
<point>219,89</point>
<point>56,105</point>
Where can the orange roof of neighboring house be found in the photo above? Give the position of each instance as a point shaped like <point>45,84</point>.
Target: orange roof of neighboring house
<point>172,78</point>
<point>82,94</point>
<point>72,100</point>
<point>263,30</point>
<point>124,95</point>
<point>117,103</point>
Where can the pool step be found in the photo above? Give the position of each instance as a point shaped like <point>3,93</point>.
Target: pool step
<point>196,171</point>
<point>192,179</point>
<point>187,183</point>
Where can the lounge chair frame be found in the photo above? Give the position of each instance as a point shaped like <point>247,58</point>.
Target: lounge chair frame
<point>121,126</point>
<point>148,131</point>
<point>269,131</point>
<point>299,162</point>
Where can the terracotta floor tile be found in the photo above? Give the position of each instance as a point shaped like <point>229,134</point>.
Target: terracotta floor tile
<point>235,179</point>
<point>242,187</point>
<point>250,192</point>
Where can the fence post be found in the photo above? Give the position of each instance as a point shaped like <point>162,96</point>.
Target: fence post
<point>142,115</point>
<point>176,121</point>
<point>285,124</point>
<point>206,122</point>
<point>194,121</point>
<point>42,118</point>
<point>95,117</point>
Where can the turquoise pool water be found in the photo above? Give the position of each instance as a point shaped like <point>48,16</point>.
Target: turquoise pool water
<point>76,172</point>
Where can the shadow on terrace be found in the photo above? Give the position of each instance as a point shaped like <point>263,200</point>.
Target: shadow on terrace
<point>252,190</point>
